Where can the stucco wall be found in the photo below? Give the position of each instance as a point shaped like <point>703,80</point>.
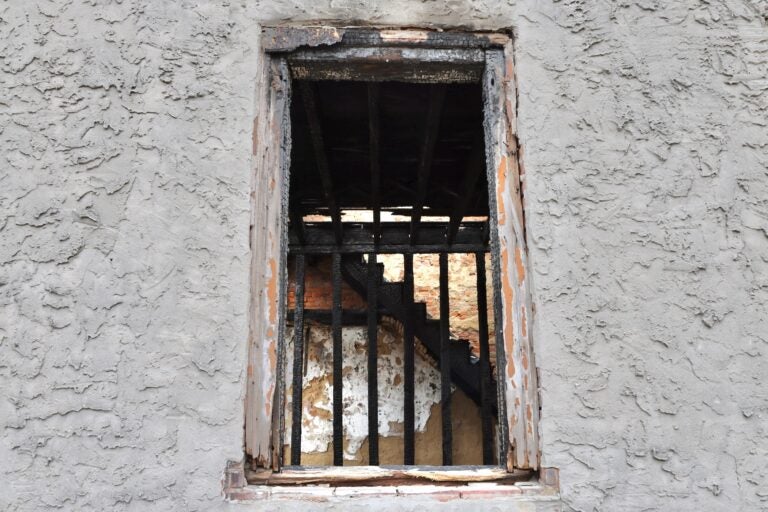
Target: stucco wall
<point>125,150</point>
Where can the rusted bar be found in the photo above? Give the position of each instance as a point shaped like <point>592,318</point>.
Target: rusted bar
<point>409,416</point>
<point>338,406</point>
<point>445,363</point>
<point>373,355</point>
<point>486,397</point>
<point>298,362</point>
<point>431,131</point>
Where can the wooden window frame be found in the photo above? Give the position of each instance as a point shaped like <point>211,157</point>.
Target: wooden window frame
<point>414,55</point>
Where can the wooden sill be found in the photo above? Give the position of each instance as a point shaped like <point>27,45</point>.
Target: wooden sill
<point>387,475</point>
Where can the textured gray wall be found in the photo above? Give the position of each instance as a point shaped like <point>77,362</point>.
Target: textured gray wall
<point>125,151</point>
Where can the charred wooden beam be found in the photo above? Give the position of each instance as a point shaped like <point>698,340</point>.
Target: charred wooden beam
<point>462,65</point>
<point>321,159</point>
<point>298,363</point>
<point>373,140</point>
<point>319,238</point>
<point>431,130</point>
<point>467,191</point>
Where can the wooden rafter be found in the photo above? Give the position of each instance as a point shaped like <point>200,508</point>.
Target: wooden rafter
<point>321,159</point>
<point>466,194</point>
<point>431,130</point>
<point>374,137</point>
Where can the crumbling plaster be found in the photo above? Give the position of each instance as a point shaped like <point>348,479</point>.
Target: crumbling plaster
<point>125,148</point>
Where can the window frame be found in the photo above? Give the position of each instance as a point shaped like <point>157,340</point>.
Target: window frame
<point>518,399</point>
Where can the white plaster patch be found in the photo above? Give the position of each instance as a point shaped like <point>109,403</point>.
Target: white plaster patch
<point>317,432</point>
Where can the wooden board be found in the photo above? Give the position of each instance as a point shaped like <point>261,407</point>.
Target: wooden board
<point>386,475</point>
<point>512,286</point>
<point>267,249</point>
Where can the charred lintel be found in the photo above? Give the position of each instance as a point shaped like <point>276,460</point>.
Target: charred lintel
<point>319,238</point>
<point>467,192</point>
<point>373,139</point>
<point>417,65</point>
<point>431,130</point>
<point>321,159</point>
<point>289,38</point>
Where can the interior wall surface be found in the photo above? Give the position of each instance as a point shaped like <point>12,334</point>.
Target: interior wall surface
<point>125,157</point>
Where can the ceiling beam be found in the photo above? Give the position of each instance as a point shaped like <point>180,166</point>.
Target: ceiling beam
<point>466,192</point>
<point>321,160</point>
<point>431,129</point>
<point>373,140</point>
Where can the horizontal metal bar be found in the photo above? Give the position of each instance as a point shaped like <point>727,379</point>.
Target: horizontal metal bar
<point>324,316</point>
<point>319,238</point>
<point>390,249</point>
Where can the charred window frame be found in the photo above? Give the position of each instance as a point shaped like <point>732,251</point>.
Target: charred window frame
<point>348,54</point>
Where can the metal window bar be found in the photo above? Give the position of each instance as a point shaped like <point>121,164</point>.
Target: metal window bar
<point>298,362</point>
<point>409,413</point>
<point>445,363</point>
<point>373,355</point>
<point>338,364</point>
<point>371,277</point>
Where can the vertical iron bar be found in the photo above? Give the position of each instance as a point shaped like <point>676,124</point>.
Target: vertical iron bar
<point>298,362</point>
<point>373,354</point>
<point>409,416</point>
<point>338,408</point>
<point>445,363</point>
<point>485,361</point>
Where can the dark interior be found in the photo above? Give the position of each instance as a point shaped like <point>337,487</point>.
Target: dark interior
<point>343,117</point>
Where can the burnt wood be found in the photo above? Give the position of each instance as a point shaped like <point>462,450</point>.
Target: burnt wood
<point>321,160</point>
<point>319,238</point>
<point>466,193</point>
<point>463,65</point>
<point>373,141</point>
<point>431,132</point>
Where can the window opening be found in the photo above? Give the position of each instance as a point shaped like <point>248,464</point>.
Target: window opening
<point>390,340</point>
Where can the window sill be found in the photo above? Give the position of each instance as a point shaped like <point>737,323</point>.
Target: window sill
<point>539,494</point>
<point>532,496</point>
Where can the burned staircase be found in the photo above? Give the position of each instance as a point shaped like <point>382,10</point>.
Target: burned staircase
<point>465,368</point>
